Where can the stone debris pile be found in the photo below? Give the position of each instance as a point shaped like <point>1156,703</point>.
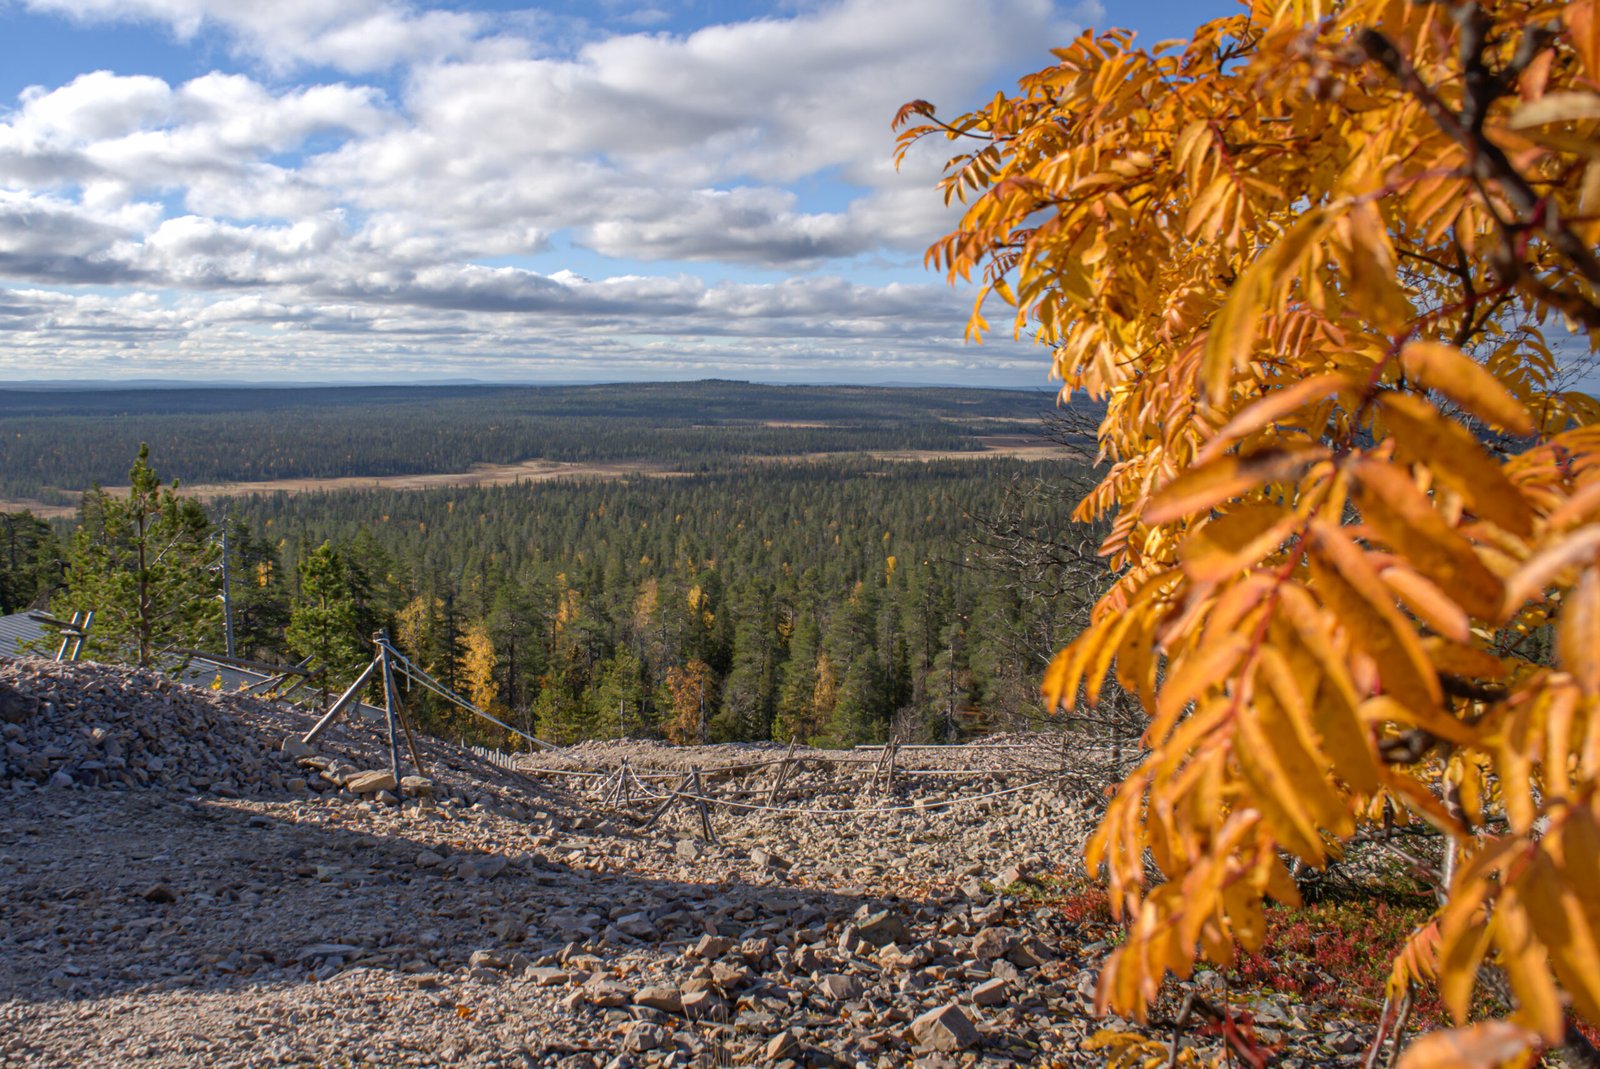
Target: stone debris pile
<point>89,726</point>
<point>96,725</point>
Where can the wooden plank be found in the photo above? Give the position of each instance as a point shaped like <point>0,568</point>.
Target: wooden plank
<point>672,800</point>
<point>705,814</point>
<point>411,740</point>
<point>783,770</point>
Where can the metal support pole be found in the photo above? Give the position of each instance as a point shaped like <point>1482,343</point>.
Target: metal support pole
<point>227,589</point>
<point>389,699</point>
<point>338,707</point>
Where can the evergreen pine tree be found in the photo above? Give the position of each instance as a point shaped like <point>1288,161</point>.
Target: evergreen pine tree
<point>30,560</point>
<point>146,565</point>
<point>325,626</point>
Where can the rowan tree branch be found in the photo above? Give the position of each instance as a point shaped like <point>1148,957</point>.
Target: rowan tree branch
<point>1487,162</point>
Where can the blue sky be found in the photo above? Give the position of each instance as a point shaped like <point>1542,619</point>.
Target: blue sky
<point>331,190</point>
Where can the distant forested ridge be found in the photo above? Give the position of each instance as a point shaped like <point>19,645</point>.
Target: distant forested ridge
<point>54,442</point>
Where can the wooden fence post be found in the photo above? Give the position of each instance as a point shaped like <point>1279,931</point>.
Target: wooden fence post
<point>783,771</point>
<point>700,804</point>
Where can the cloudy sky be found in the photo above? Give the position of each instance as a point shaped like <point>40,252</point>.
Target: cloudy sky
<point>580,190</point>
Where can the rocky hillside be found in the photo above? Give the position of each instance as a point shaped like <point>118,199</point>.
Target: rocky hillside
<point>182,887</point>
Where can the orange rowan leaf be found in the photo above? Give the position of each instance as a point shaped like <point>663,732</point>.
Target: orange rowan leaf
<point>1234,331</point>
<point>1417,961</point>
<point>1580,548</point>
<point>1276,791</point>
<point>1190,676</point>
<point>1583,505</point>
<point>1361,240</point>
<point>1298,746</point>
<point>1556,108</point>
<point>1225,478</point>
<point>1583,25</point>
<point>1386,709</point>
<point>1135,660</point>
<point>1559,919</point>
<point>1578,631</point>
<point>1445,448</point>
<point>1331,725</point>
<point>1515,751</point>
<point>1099,663</point>
<point>1061,678</point>
<point>1430,604</point>
<point>1237,601</point>
<point>1464,933</point>
<point>1527,965</point>
<point>1404,517</point>
<point>1577,844</point>
<point>1364,605</point>
<point>1488,1045</point>
<point>1450,371</point>
<point>1235,541</point>
<point>1453,658</point>
<point>1344,734</point>
<point>1271,409</point>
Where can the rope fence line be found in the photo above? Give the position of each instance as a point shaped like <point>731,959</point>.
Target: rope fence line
<point>644,791</point>
<point>743,766</point>
<point>511,761</point>
<point>924,806</point>
<point>417,675</point>
<point>668,774</point>
<point>393,661</point>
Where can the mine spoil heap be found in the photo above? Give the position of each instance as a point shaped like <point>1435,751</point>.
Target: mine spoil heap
<point>185,884</point>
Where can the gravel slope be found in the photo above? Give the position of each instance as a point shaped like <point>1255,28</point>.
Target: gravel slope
<point>178,891</point>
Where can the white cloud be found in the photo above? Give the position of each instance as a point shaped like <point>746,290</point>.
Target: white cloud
<point>94,106</point>
<point>210,137</point>
<point>358,36</point>
<point>636,140</point>
<point>284,214</point>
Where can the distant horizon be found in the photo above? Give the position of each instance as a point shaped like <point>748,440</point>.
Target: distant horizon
<point>212,384</point>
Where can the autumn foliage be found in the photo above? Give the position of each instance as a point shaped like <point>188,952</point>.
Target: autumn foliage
<point>1330,266</point>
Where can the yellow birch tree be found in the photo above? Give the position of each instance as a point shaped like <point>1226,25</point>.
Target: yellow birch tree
<point>475,665</point>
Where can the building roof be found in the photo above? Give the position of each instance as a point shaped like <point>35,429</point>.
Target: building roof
<point>17,629</point>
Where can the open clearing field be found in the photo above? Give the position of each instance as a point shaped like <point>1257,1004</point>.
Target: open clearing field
<point>1015,446</point>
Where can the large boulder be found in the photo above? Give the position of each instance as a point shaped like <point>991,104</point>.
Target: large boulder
<point>370,782</point>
